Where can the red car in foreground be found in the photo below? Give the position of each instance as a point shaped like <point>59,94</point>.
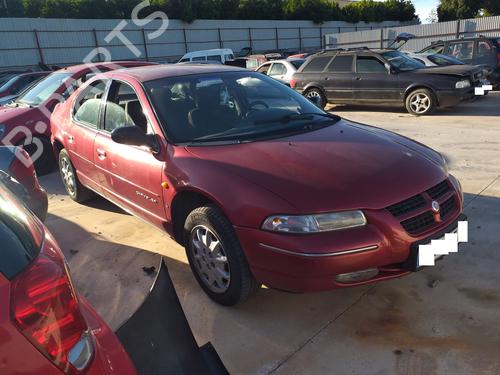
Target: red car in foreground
<point>46,328</point>
<point>26,120</point>
<point>258,184</point>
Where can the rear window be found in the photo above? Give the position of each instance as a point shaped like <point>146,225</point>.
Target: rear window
<point>297,63</point>
<point>21,234</point>
<point>342,64</point>
<point>317,64</point>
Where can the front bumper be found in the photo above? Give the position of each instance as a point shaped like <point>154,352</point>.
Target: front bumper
<point>450,98</point>
<point>309,263</point>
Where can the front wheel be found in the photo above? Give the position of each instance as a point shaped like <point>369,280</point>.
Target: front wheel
<point>216,257</point>
<point>420,102</point>
<point>74,188</point>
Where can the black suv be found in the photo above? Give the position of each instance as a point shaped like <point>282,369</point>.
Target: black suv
<point>475,51</point>
<point>365,76</point>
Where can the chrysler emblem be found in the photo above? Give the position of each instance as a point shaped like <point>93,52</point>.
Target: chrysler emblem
<point>435,207</point>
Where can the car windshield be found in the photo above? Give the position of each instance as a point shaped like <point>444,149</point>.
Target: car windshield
<point>44,89</point>
<point>443,60</point>
<point>401,61</point>
<point>231,107</point>
<point>8,84</point>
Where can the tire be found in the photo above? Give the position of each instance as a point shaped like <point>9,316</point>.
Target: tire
<point>315,92</point>
<point>233,282</point>
<point>46,162</point>
<point>420,102</point>
<point>72,185</point>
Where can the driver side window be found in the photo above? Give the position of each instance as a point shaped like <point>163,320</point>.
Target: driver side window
<point>123,108</point>
<point>88,104</point>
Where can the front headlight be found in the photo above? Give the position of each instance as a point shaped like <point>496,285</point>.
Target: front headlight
<point>314,223</point>
<point>444,163</point>
<point>462,84</point>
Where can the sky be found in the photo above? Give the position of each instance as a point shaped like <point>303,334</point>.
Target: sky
<point>424,7</point>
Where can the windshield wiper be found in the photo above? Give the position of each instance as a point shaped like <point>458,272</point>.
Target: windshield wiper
<point>308,116</point>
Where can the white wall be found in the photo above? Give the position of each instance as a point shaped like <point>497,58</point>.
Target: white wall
<point>68,41</point>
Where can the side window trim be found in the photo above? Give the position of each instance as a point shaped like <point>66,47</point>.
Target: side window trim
<point>100,118</point>
<point>103,106</point>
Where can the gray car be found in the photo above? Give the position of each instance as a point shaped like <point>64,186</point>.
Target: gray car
<point>281,70</point>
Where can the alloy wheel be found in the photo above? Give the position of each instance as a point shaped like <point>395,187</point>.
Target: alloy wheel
<point>210,259</point>
<point>420,103</point>
<point>68,176</point>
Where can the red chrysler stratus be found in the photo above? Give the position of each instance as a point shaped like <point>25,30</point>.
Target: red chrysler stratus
<point>259,184</point>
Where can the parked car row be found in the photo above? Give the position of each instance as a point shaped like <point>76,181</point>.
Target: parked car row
<point>385,77</point>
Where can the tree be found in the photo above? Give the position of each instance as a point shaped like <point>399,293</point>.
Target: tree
<point>449,10</point>
<point>433,16</point>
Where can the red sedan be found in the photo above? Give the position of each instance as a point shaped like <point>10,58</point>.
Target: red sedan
<point>259,184</point>
<point>45,327</point>
<point>26,120</point>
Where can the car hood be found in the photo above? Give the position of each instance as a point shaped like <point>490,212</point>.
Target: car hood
<point>341,167</point>
<point>452,70</point>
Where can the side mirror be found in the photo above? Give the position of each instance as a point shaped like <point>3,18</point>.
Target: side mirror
<point>133,136</point>
<point>316,100</point>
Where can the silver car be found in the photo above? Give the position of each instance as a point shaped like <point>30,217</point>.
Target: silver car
<point>281,70</point>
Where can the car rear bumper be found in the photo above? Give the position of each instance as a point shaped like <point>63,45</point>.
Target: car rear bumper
<point>309,263</point>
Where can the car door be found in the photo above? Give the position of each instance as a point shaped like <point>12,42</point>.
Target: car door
<point>278,71</point>
<point>485,53</point>
<point>462,50</point>
<point>130,176</point>
<point>338,78</point>
<point>80,137</point>
<point>373,81</point>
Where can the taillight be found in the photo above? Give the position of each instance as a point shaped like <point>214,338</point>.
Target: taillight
<point>293,83</point>
<point>45,309</point>
<point>498,60</point>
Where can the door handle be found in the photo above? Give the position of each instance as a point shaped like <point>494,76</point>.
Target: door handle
<point>71,139</point>
<point>327,78</point>
<point>101,153</point>
<point>358,78</point>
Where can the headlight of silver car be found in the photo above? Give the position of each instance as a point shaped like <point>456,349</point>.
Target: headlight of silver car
<point>314,223</point>
<point>463,84</point>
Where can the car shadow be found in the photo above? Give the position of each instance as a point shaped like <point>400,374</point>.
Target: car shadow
<point>482,106</point>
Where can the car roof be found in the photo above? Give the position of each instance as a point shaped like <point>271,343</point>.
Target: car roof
<point>153,72</point>
<point>78,68</point>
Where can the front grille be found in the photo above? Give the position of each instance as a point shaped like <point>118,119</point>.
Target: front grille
<point>447,207</point>
<point>419,224</point>
<point>407,205</point>
<point>426,220</point>
<point>439,190</point>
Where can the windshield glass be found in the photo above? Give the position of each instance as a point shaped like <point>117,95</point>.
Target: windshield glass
<point>439,59</point>
<point>8,84</point>
<point>401,61</point>
<point>231,107</point>
<point>44,89</point>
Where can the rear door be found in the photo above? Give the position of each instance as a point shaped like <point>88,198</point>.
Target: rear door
<point>278,71</point>
<point>338,78</point>
<point>85,120</point>
<point>130,176</point>
<point>373,81</point>
<point>485,53</point>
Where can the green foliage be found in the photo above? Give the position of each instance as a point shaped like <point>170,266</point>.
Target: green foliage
<point>449,10</point>
<point>189,10</point>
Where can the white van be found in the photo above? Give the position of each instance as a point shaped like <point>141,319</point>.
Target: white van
<point>216,55</point>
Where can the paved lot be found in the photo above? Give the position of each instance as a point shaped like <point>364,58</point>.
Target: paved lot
<point>443,320</point>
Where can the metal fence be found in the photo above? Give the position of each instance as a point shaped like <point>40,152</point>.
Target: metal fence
<point>425,34</point>
<point>70,41</point>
